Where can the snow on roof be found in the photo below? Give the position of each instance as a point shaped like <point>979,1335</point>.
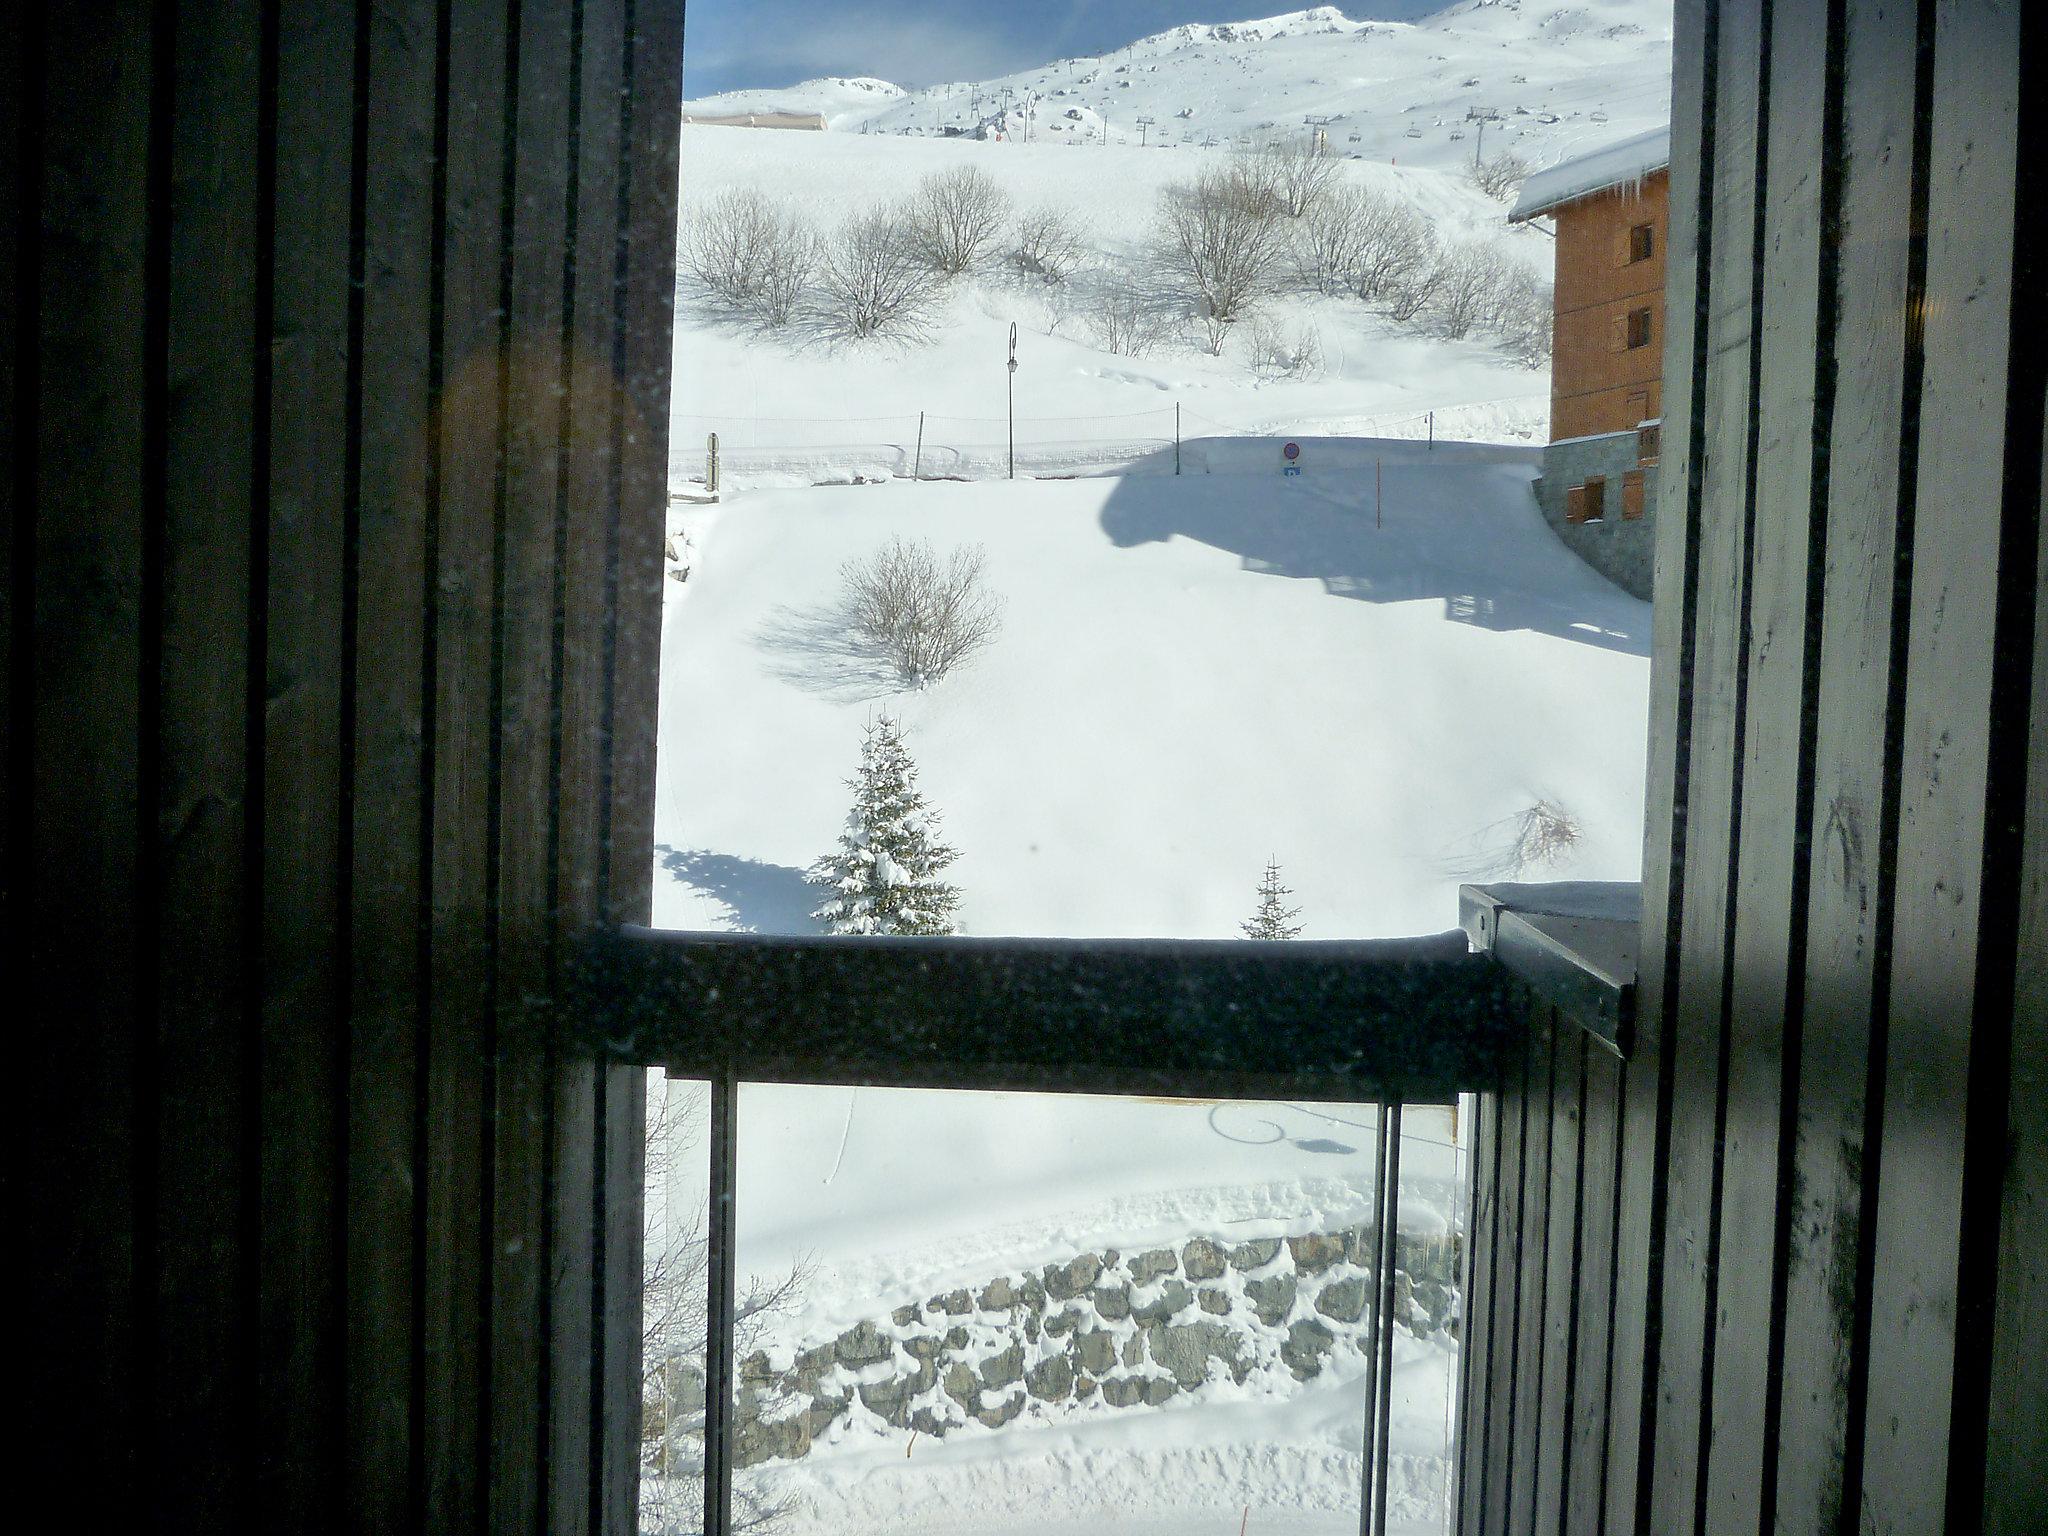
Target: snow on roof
<point>1611,165</point>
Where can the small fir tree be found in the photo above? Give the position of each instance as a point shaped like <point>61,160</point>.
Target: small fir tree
<point>1274,919</point>
<point>885,877</point>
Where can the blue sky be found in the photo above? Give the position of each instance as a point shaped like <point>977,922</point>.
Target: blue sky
<point>732,44</point>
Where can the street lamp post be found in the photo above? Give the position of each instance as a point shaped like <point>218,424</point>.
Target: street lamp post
<point>1013,399</point>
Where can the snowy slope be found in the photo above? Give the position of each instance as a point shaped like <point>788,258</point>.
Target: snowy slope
<point>792,389</point>
<point>1194,673</point>
<point>1564,77</point>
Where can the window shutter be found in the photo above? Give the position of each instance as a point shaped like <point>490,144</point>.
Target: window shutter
<point>1622,237</point>
<point>1632,494</point>
<point>1575,504</point>
<point>1617,340</point>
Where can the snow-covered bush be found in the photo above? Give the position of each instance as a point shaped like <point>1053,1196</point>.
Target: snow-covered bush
<point>1048,245</point>
<point>1278,354</point>
<point>922,614</point>
<point>1273,918</point>
<point>1221,239</point>
<point>885,877</point>
<point>1501,175</point>
<point>873,279</point>
<point>957,218</point>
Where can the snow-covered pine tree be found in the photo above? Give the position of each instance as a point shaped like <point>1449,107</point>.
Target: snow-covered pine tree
<point>1274,919</point>
<point>885,877</point>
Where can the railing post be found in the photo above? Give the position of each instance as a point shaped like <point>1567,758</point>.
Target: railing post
<point>721,1305</point>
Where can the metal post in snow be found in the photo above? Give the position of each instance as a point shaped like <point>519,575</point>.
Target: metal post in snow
<point>711,466</point>
<point>917,463</point>
<point>1013,399</point>
<point>1432,431</point>
<point>1376,520</point>
<point>1176,437</point>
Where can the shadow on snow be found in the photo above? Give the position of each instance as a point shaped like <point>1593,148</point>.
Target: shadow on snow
<point>758,897</point>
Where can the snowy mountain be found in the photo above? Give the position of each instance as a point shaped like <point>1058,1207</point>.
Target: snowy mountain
<point>1562,79</point>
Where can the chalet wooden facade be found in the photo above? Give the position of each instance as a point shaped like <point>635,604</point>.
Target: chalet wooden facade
<point>335,407</point>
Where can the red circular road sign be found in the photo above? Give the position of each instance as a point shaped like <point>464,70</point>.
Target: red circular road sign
<point>1292,450</point>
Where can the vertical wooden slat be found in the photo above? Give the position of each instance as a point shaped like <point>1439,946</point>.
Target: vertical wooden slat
<point>527,820</point>
<point>78,869</point>
<point>389,716</point>
<point>2016,1468</point>
<point>1696,1032</point>
<point>1475,1329</point>
<point>1645,1129</point>
<point>304,1451</point>
<point>1941,848</point>
<point>1794,352</point>
<point>469,218</point>
<point>1849,895</point>
<point>18,36</point>
<point>579,1147</point>
<point>1593,1295</point>
<point>1559,1341</point>
<point>1532,1276</point>
<point>1504,1361</point>
<point>204,1355</point>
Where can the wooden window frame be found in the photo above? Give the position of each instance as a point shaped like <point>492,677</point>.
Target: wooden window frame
<point>1640,329</point>
<point>1642,243</point>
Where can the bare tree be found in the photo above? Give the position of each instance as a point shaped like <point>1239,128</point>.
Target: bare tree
<point>1413,286</point>
<point>1525,319</point>
<point>873,280</point>
<point>1125,317</point>
<point>674,1323</point>
<point>726,245</point>
<point>1394,243</point>
<point>1277,354</point>
<point>1501,175</point>
<point>1299,174</point>
<point>1469,279</point>
<point>1329,241</point>
<point>924,615</point>
<point>1048,245</point>
<point>1221,237</point>
<point>957,217</point>
<point>788,271</point>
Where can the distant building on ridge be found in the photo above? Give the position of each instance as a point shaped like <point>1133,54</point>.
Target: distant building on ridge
<point>1611,211</point>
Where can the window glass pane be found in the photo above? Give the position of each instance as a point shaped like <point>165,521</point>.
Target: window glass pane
<point>673,1305</point>
<point>1242,563</point>
<point>992,1313</point>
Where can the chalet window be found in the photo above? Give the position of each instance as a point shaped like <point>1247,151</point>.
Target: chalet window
<point>1638,328</point>
<point>1642,243</point>
<point>1586,503</point>
<point>1649,442</point>
<point>1632,494</point>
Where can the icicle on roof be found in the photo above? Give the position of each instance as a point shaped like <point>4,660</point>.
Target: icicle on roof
<point>1621,164</point>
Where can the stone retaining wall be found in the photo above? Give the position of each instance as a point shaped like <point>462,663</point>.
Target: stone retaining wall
<point>1099,1332</point>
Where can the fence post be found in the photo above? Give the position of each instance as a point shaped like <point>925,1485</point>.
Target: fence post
<point>1176,437</point>
<point>1376,495</point>
<point>711,466</point>
<point>1432,431</point>
<point>917,464</point>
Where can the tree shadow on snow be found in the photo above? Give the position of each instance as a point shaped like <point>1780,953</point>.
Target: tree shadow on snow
<point>1453,553</point>
<point>815,649</point>
<point>758,897</point>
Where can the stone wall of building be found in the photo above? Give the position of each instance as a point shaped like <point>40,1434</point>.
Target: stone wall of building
<point>1621,549</point>
<point>1100,1332</point>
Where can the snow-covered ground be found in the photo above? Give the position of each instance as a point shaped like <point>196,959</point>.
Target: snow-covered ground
<point>1368,675</point>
